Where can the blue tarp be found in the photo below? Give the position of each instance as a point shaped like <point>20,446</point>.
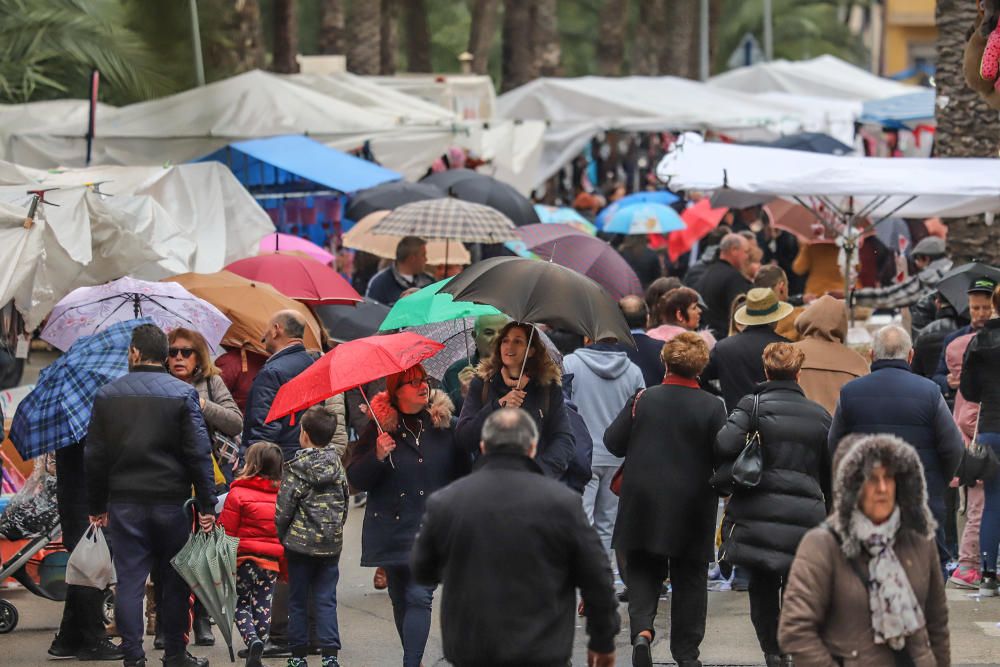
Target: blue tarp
<point>299,164</point>
<point>901,110</point>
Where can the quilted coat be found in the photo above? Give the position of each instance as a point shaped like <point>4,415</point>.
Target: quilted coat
<point>249,515</point>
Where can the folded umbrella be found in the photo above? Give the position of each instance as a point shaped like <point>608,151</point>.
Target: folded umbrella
<point>388,196</point>
<point>288,243</point>
<point>249,305</point>
<point>346,323</point>
<point>649,197</point>
<point>57,411</point>
<point>648,218</point>
<point>450,219</point>
<point>300,278</point>
<point>955,284</point>
<point>361,237</point>
<point>350,365</point>
<point>88,310</point>
<point>471,186</point>
<point>430,305</point>
<point>542,293</point>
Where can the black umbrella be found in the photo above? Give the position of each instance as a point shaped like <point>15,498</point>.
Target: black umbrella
<point>955,284</point>
<point>812,142</point>
<point>477,188</point>
<point>537,292</point>
<point>388,196</point>
<point>350,322</point>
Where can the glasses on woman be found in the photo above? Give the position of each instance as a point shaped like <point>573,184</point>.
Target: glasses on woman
<point>184,352</point>
<point>416,383</point>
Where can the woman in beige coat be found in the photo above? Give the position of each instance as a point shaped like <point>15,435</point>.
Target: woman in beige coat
<point>829,363</point>
<point>865,587</point>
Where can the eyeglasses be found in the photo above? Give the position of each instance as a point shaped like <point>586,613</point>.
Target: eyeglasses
<point>185,352</point>
<point>417,382</point>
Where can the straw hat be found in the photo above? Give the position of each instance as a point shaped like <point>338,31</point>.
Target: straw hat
<point>762,307</point>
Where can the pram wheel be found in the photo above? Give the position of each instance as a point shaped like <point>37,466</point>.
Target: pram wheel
<point>8,617</point>
<point>108,607</point>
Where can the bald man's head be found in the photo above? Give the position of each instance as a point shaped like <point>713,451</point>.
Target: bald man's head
<point>286,328</point>
<point>634,309</point>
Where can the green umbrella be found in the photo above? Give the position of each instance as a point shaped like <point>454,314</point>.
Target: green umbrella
<point>429,306</point>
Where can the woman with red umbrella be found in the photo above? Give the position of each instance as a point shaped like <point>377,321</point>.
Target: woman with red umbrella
<point>407,453</point>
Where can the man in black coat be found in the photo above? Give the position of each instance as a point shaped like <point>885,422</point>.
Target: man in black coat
<point>511,572</point>
<point>723,281</point>
<point>736,362</point>
<point>283,340</point>
<point>646,353</point>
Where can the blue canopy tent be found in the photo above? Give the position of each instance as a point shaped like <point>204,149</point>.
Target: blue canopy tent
<point>300,182</point>
<point>901,111</point>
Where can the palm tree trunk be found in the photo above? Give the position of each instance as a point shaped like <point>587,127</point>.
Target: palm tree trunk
<point>482,29</point>
<point>418,37</point>
<point>331,27</point>
<point>966,127</point>
<point>364,49</point>
<point>548,51</point>
<point>611,40</point>
<point>286,37</point>
<point>518,45</point>
<point>645,59</point>
<point>242,48</point>
<point>389,37</point>
<point>678,53</point>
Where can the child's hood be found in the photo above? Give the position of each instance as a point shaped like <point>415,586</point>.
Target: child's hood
<point>317,467</point>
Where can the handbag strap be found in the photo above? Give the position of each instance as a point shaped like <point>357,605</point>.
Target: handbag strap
<point>635,401</point>
<point>754,421</point>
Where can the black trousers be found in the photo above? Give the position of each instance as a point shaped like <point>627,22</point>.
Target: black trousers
<point>83,611</point>
<point>766,589</point>
<point>688,600</point>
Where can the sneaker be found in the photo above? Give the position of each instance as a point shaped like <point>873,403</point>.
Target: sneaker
<point>642,654</point>
<point>102,650</point>
<point>138,662</point>
<point>359,499</point>
<point>61,648</point>
<point>988,586</point>
<point>254,653</point>
<point>965,577</point>
<point>297,662</point>
<point>330,661</point>
<point>184,659</point>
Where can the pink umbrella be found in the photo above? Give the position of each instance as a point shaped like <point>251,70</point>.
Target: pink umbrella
<point>287,243</point>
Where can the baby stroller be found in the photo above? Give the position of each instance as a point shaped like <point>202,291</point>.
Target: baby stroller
<point>40,566</point>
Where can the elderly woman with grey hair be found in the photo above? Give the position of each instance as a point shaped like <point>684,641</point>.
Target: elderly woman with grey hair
<point>865,587</point>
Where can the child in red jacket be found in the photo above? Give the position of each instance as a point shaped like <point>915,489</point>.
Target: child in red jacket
<point>249,515</point>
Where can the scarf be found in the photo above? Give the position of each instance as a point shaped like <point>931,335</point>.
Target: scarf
<point>896,614</point>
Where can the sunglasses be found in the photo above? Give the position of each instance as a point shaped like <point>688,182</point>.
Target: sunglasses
<point>185,352</point>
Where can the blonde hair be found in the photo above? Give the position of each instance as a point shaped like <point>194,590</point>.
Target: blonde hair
<point>685,354</point>
<point>782,361</point>
<point>204,366</point>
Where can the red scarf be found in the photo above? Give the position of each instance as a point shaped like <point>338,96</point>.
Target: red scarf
<point>678,381</point>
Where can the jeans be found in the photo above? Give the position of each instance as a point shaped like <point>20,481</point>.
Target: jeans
<point>254,591</point>
<point>411,609</point>
<point>143,540</point>
<point>765,607</point>
<point>316,577</point>
<point>83,611</point>
<point>989,529</point>
<point>601,505</point>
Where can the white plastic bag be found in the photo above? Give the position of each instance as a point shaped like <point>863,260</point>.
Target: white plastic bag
<point>90,563</point>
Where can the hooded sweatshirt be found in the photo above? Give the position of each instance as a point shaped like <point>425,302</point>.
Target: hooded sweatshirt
<point>966,413</point>
<point>829,364</point>
<point>603,381</point>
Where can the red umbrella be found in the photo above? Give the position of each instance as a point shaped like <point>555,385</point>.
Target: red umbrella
<point>350,365</point>
<point>301,278</point>
<point>700,220</point>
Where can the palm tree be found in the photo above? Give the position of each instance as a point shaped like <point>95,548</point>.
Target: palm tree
<point>966,126</point>
<point>49,47</point>
<point>286,37</point>
<point>331,27</point>
<point>548,52</point>
<point>678,52</point>
<point>518,45</point>
<point>481,31</point>
<point>418,36</point>
<point>389,37</point>
<point>364,47</point>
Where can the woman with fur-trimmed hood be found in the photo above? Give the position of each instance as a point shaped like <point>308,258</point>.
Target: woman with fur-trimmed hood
<point>414,454</point>
<point>500,383</point>
<point>866,588</point>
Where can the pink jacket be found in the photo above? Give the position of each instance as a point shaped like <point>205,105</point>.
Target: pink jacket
<point>966,414</point>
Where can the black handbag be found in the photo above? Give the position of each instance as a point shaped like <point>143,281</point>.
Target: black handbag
<point>749,465</point>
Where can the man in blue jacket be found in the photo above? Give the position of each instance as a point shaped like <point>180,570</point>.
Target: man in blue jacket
<point>388,285</point>
<point>147,445</point>
<point>894,400</point>
<point>283,340</point>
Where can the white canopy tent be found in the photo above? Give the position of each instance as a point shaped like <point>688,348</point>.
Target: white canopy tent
<point>825,76</point>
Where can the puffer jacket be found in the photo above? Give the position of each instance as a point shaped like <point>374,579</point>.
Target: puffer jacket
<point>249,515</point>
<point>829,364</point>
<point>312,503</point>
<point>763,525</point>
<point>825,614</point>
<point>979,376</point>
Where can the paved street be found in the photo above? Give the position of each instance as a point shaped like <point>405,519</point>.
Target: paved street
<point>370,636</point>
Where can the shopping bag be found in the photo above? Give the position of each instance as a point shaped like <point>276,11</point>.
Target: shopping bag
<point>90,563</point>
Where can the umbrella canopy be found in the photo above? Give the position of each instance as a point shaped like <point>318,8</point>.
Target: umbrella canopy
<point>300,278</point>
<point>57,411</point>
<point>88,310</point>
<point>699,219</point>
<point>389,196</point>
<point>361,237</point>
<point>350,365</point>
<point>249,306</point>
<point>798,220</point>
<point>477,188</point>
<point>810,142</point>
<point>448,218</point>
<point>430,305</point>
<point>652,197</point>
<point>954,285</point>
<point>644,219</point>
<point>564,216</point>
<point>543,293</point>
<point>345,323</point>
<point>286,242</point>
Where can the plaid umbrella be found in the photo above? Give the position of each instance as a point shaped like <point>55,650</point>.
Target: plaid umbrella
<point>471,186</point>
<point>57,411</point>
<point>448,218</point>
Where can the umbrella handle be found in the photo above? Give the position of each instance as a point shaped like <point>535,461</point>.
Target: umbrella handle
<point>189,504</point>
<point>524,362</point>
<point>371,413</point>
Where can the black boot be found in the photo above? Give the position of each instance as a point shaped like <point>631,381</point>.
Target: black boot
<point>202,627</point>
<point>184,659</point>
<point>642,654</point>
<point>772,660</point>
<point>158,639</point>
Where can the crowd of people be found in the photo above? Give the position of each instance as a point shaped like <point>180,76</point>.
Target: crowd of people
<point>523,478</point>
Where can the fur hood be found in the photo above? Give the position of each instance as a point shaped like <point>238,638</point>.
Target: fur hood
<point>551,373</point>
<point>439,407</point>
<point>853,465</point>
